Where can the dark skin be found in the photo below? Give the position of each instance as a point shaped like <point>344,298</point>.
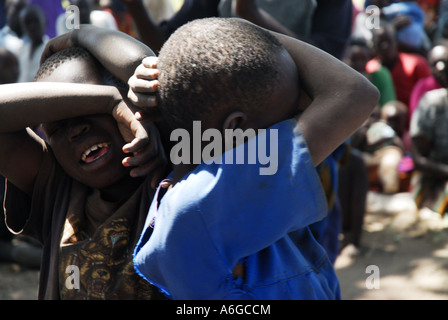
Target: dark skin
<point>70,138</point>
<point>357,57</point>
<point>78,116</point>
<point>149,31</point>
<point>329,99</point>
<point>9,67</point>
<point>249,10</point>
<point>386,47</point>
<point>287,94</point>
<point>75,119</point>
<point>107,47</point>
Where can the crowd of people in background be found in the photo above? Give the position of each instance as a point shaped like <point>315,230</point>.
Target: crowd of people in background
<point>400,46</point>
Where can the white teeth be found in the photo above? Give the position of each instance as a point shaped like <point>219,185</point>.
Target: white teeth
<point>93,148</point>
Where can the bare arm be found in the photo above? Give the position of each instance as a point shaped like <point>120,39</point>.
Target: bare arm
<point>342,99</point>
<point>248,9</point>
<point>118,52</point>
<point>28,104</point>
<point>149,31</point>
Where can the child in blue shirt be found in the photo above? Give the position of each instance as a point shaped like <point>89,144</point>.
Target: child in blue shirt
<point>224,231</point>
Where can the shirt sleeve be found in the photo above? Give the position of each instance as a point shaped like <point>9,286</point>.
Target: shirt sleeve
<point>222,213</point>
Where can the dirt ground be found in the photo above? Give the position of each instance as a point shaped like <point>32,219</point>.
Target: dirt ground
<point>407,249</point>
<point>18,283</point>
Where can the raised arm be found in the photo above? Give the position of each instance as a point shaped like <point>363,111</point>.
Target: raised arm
<point>116,51</point>
<point>149,31</point>
<point>341,97</point>
<point>29,104</point>
<point>248,9</point>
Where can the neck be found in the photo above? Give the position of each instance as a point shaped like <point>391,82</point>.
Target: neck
<point>120,190</point>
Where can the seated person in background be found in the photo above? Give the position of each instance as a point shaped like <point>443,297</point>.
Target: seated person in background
<point>437,58</point>
<point>356,56</point>
<point>406,68</point>
<point>382,151</point>
<point>395,114</point>
<point>224,231</point>
<point>429,134</point>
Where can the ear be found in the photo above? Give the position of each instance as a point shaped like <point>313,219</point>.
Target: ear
<point>234,120</point>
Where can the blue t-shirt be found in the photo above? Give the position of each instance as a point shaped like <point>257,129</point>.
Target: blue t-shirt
<point>220,215</point>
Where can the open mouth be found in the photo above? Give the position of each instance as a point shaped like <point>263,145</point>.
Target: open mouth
<point>95,152</point>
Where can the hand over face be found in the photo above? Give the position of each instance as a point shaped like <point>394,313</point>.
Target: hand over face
<point>142,141</point>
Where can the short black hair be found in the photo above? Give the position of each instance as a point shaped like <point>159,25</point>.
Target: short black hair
<point>77,53</point>
<point>60,57</point>
<point>215,64</point>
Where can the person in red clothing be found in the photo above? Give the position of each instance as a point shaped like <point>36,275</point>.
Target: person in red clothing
<point>406,68</point>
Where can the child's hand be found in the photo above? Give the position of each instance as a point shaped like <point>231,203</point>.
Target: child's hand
<point>131,129</point>
<point>149,159</point>
<point>142,141</point>
<point>143,84</point>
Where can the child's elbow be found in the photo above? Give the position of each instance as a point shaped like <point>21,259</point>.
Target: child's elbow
<point>372,94</point>
<point>365,93</point>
